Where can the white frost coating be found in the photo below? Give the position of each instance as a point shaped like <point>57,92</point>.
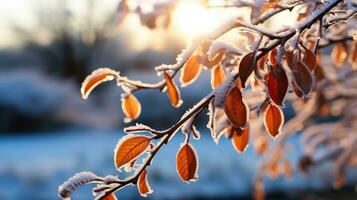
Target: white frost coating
<point>221,92</point>
<point>218,45</point>
<point>188,128</point>
<point>138,128</point>
<point>110,179</point>
<point>110,75</point>
<point>75,182</point>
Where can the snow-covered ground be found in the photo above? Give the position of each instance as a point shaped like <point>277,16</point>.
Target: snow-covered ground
<point>32,167</point>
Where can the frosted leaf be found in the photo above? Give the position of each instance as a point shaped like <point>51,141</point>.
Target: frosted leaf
<point>97,77</point>
<point>138,128</point>
<point>75,182</point>
<point>221,92</point>
<point>100,188</point>
<point>110,179</point>
<point>218,45</point>
<point>189,128</point>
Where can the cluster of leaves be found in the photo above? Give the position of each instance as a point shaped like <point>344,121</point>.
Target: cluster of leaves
<point>249,83</point>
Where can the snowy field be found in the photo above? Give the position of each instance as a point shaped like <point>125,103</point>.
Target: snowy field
<point>32,167</point>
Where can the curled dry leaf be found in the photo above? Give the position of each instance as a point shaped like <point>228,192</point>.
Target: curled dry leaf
<point>273,120</point>
<point>186,163</point>
<point>190,70</point>
<point>303,78</point>
<point>131,107</point>
<point>97,77</point>
<point>143,184</point>
<point>172,91</point>
<point>240,139</point>
<point>310,60</point>
<point>339,53</point>
<point>236,108</point>
<point>277,84</point>
<point>217,76</point>
<point>246,67</point>
<point>129,148</point>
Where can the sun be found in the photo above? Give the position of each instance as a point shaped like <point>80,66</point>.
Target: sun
<point>191,18</point>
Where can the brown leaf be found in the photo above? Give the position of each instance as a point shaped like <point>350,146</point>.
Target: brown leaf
<point>190,70</point>
<point>277,84</point>
<point>339,53</point>
<point>97,77</point>
<point>143,184</point>
<point>240,139</point>
<point>303,78</point>
<point>129,148</point>
<point>217,76</point>
<point>273,120</point>
<point>236,109</point>
<point>172,91</point>
<point>290,58</point>
<point>131,107</point>
<point>310,60</point>
<point>246,67</point>
<point>186,163</point>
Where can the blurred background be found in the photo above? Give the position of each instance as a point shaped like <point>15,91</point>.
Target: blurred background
<point>48,133</point>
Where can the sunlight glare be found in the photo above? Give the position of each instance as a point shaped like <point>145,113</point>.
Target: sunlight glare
<point>191,18</point>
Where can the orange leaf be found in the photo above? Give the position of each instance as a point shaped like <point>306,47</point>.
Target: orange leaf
<point>303,78</point>
<point>97,77</point>
<point>240,139</point>
<point>217,76</point>
<point>339,53</point>
<point>129,148</point>
<point>172,91</point>
<point>310,60</point>
<point>273,120</point>
<point>236,109</point>
<point>186,163</point>
<point>110,197</point>
<point>246,67</point>
<point>277,84</point>
<point>143,185</point>
<point>131,107</point>
<point>190,70</point>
